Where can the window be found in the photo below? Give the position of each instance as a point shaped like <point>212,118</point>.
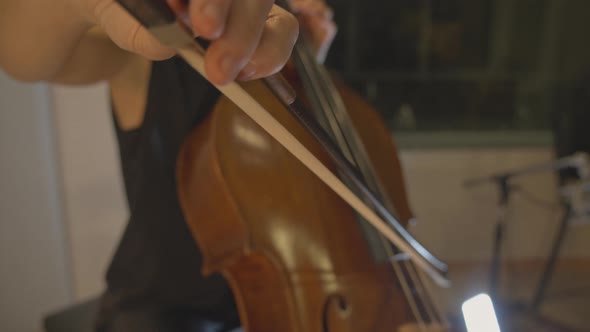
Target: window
<point>466,65</point>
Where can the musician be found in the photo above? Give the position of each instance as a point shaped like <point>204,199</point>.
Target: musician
<point>154,280</point>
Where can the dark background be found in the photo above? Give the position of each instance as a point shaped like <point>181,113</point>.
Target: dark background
<point>469,65</point>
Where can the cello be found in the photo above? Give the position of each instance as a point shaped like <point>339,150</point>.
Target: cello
<point>268,213</point>
<point>362,135</point>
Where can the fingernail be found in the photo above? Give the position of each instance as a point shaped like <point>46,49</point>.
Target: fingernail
<point>248,72</point>
<point>213,11</point>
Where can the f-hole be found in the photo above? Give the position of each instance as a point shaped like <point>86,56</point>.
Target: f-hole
<point>336,314</point>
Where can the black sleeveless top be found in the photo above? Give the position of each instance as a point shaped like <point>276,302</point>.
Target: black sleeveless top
<point>157,264</point>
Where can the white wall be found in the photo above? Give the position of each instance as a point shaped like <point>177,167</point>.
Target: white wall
<point>34,266</point>
<point>457,223</point>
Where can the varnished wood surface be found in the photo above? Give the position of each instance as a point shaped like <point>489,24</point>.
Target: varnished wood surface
<point>290,248</point>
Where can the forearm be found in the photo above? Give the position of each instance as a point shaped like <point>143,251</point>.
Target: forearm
<point>38,37</point>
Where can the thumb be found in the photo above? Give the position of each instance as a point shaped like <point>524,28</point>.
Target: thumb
<point>125,31</point>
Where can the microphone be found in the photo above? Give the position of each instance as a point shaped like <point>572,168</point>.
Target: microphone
<point>579,160</point>
<point>581,163</point>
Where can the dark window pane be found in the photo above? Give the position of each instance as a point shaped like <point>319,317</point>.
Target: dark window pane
<point>464,64</point>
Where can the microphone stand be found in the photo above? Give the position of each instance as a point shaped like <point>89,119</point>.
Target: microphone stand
<point>505,189</point>
<point>575,205</point>
<point>580,161</point>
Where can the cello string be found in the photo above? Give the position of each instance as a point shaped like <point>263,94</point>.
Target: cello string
<point>420,290</point>
<point>432,308</point>
<point>405,287</point>
<point>436,305</point>
<point>427,297</point>
<point>316,77</point>
<point>403,282</point>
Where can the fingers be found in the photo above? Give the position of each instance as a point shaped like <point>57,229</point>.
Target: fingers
<point>209,17</point>
<point>321,31</point>
<point>252,28</point>
<point>312,8</point>
<point>317,21</point>
<point>278,38</point>
<point>127,32</point>
<point>250,38</point>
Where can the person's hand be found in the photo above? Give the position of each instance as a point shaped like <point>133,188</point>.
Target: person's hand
<point>250,38</point>
<point>316,19</point>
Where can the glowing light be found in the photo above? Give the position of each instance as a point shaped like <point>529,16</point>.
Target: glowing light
<point>479,314</point>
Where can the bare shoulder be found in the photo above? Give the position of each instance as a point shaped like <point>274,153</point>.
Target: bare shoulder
<point>129,91</point>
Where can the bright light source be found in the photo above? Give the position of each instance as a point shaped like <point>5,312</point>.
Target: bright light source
<point>479,314</point>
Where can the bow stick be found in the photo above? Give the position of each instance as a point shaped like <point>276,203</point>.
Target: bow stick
<point>160,20</point>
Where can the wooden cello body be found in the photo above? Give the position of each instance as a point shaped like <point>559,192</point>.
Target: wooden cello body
<point>296,256</point>
<point>292,251</point>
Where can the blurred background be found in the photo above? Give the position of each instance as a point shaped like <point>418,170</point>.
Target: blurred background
<point>468,88</point>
